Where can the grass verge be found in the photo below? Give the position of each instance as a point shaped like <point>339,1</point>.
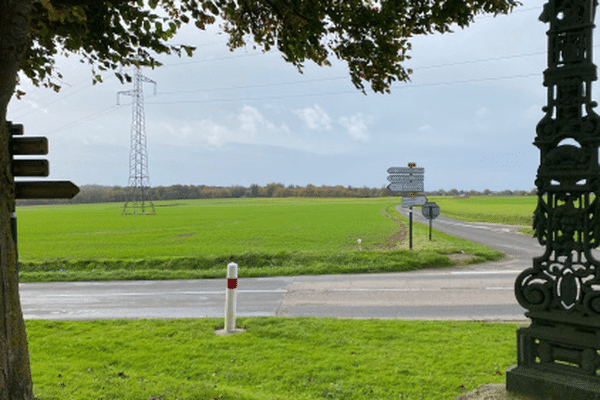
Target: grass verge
<point>442,243</point>
<point>275,359</point>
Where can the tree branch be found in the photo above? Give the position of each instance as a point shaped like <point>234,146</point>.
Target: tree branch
<point>70,3</point>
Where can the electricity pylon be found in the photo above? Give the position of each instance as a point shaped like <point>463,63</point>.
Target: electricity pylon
<point>139,180</point>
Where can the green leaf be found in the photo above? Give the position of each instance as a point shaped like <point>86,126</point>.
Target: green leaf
<point>189,50</point>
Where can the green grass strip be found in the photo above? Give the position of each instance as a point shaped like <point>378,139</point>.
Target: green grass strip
<point>251,265</point>
<point>276,358</point>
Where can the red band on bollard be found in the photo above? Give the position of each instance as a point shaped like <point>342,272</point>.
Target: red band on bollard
<point>232,283</point>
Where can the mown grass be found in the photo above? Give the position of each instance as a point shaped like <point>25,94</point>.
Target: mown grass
<point>276,358</point>
<point>197,239</point>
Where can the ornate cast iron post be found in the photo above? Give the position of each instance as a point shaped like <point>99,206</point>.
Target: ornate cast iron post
<point>558,353</point>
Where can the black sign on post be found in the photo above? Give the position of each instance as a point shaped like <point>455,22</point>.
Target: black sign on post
<point>430,211</point>
<point>34,146</point>
<point>45,190</point>
<point>37,146</point>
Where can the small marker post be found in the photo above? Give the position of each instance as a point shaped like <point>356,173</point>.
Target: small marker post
<point>230,300</point>
<point>232,273</point>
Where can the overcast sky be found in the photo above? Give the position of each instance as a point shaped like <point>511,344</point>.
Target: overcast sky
<point>236,118</point>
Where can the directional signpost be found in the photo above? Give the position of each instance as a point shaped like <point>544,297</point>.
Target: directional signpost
<point>408,181</point>
<point>33,146</point>
<point>430,211</point>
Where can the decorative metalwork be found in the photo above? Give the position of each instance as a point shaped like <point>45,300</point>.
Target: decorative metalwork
<point>558,353</point>
<point>139,180</point>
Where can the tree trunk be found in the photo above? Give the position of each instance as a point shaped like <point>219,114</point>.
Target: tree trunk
<point>15,378</point>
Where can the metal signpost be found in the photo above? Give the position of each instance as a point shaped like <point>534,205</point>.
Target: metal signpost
<point>430,211</point>
<point>408,181</point>
<point>558,354</point>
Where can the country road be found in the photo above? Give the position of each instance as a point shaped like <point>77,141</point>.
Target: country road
<point>501,237</point>
<point>475,292</point>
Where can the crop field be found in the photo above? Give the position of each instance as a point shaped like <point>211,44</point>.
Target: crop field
<point>207,227</point>
<point>197,238</point>
<point>495,209</point>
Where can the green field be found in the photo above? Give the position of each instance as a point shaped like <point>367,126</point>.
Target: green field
<point>197,238</point>
<point>494,209</point>
<point>276,358</point>
<point>202,227</point>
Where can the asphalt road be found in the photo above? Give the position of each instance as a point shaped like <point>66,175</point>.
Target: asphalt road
<point>479,292</point>
<point>502,237</point>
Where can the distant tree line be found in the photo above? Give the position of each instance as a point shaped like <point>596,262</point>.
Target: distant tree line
<point>109,194</point>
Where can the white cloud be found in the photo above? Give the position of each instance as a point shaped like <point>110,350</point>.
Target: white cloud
<point>254,123</point>
<point>249,126</point>
<point>483,111</point>
<point>425,128</point>
<point>315,118</point>
<point>356,126</point>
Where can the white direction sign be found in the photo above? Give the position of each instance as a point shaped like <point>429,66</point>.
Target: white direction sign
<point>417,186</point>
<point>405,178</point>
<point>406,170</point>
<point>413,201</point>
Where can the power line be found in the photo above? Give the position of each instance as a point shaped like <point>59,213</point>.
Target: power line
<point>82,120</point>
<point>111,109</point>
<point>257,86</point>
<point>340,77</point>
<point>318,94</point>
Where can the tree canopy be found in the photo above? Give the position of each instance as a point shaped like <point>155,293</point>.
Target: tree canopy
<point>371,36</point>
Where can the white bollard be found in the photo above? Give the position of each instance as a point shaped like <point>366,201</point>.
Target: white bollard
<point>232,274</point>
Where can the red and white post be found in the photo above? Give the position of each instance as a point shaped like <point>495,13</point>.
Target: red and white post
<point>232,274</point>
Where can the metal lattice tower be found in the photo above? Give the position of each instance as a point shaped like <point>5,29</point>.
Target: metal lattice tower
<point>139,180</point>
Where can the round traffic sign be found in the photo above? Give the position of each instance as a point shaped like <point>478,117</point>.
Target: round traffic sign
<point>430,210</point>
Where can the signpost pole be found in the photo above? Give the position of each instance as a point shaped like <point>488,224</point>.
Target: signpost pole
<point>410,217</point>
<point>430,219</point>
<point>409,181</point>
<point>430,211</point>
